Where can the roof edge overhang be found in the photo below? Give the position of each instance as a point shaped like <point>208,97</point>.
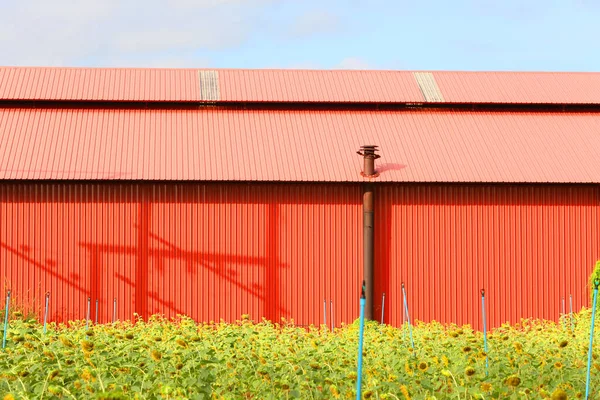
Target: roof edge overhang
<point>289,182</point>
<point>299,105</point>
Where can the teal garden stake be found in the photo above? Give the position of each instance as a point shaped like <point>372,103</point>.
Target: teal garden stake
<point>403,322</point>
<point>412,342</point>
<point>485,349</point>
<point>589,365</point>
<point>363,301</point>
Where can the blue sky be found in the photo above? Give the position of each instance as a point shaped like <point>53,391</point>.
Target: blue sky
<point>526,35</point>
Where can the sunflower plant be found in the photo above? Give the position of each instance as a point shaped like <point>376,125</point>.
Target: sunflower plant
<point>181,359</point>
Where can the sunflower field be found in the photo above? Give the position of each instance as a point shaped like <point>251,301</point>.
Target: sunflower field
<point>180,359</point>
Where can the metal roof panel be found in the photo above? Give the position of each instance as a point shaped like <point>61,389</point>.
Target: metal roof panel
<point>317,146</point>
<point>99,84</point>
<point>519,87</point>
<point>319,86</point>
<point>300,86</point>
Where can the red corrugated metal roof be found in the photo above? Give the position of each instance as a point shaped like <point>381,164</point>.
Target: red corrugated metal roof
<point>255,145</point>
<point>127,84</point>
<point>228,85</point>
<point>519,87</point>
<point>319,86</point>
<point>99,84</point>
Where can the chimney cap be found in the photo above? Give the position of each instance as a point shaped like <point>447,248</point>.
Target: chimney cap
<point>368,150</point>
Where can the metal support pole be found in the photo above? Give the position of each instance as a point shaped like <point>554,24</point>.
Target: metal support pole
<point>382,307</point>
<point>325,312</point>
<point>87,315</point>
<point>114,310</point>
<point>96,319</point>
<point>331,311</point>
<point>46,310</point>
<point>564,314</point>
<point>571,312</point>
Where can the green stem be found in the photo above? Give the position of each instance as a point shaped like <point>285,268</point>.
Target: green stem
<point>69,393</point>
<point>22,385</point>
<point>44,388</point>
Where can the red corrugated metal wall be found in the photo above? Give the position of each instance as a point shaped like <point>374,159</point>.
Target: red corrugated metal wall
<point>216,251</point>
<point>528,246</point>
<point>209,251</point>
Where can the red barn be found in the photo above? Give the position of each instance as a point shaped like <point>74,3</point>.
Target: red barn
<point>217,193</point>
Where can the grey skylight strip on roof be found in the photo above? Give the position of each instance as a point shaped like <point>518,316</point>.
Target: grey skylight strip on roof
<point>428,86</point>
<point>209,85</point>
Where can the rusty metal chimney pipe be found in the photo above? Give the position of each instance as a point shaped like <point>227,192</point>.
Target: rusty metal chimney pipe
<point>369,248</point>
<point>369,156</point>
<point>368,152</point>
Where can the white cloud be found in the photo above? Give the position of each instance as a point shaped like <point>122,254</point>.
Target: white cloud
<point>165,39</point>
<point>42,32</point>
<point>315,22</point>
<point>353,63</point>
<point>67,32</point>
